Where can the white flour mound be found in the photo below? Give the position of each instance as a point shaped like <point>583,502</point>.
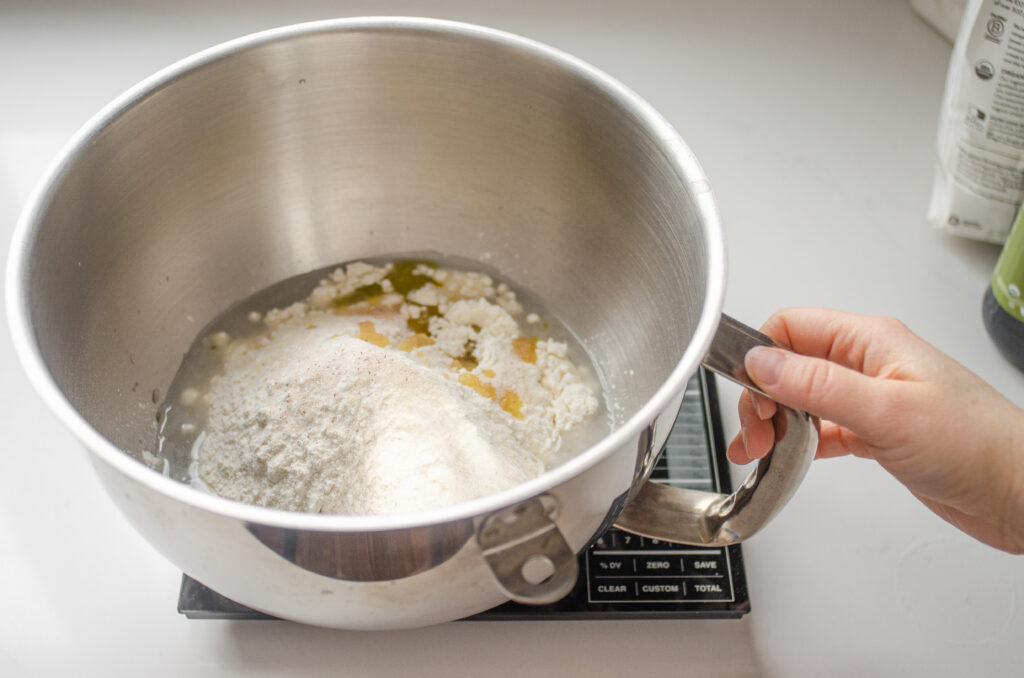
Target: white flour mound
<point>352,412</point>
<point>343,426</point>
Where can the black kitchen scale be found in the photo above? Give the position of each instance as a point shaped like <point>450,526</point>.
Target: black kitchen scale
<point>622,575</point>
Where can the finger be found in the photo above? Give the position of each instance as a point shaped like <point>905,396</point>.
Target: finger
<point>858,342</point>
<point>833,441</point>
<point>836,441</point>
<point>821,387</point>
<point>764,407</point>
<point>758,435</point>
<point>737,451</point>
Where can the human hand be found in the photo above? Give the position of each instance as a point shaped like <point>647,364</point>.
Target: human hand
<point>883,393</point>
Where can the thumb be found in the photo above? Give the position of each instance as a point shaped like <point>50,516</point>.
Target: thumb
<point>816,385</point>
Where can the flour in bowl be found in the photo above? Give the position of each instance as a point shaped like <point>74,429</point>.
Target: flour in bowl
<point>391,388</point>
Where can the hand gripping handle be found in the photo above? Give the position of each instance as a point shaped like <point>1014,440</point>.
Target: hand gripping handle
<point>713,519</point>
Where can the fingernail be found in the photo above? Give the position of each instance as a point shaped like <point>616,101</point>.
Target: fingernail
<point>764,365</point>
<point>757,407</point>
<point>743,434</point>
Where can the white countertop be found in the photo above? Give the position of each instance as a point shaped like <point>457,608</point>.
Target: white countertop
<point>815,122</point>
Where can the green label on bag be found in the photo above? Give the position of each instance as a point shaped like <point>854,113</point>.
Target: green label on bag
<point>1008,278</point>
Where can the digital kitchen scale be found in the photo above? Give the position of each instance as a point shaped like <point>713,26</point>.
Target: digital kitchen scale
<point>622,575</point>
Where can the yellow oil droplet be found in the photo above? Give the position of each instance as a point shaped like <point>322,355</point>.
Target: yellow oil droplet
<point>488,373</point>
<point>526,349</point>
<point>364,293</point>
<point>311,327</point>
<point>415,341</point>
<point>463,364</point>
<point>512,403</point>
<point>481,387</point>
<point>369,333</point>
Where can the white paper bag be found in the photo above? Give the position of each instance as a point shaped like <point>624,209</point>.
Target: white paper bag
<point>979,178</point>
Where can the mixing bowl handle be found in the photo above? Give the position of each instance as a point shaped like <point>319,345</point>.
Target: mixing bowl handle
<point>528,556</point>
<point>713,519</point>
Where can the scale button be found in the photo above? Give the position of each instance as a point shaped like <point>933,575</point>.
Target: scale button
<point>659,565</point>
<point>705,564</point>
<point>611,566</point>
<point>708,589</point>
<point>607,589</point>
<point>609,541</point>
<point>662,589</point>
<point>630,542</point>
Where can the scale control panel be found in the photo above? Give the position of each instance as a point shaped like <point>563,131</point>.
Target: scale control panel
<point>625,567</point>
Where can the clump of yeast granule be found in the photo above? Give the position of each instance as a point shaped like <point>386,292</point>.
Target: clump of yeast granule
<point>390,389</point>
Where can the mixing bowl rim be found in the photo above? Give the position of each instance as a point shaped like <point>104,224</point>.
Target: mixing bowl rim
<point>676,153</point>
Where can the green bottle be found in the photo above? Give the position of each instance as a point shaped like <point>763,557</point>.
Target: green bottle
<point>1003,306</point>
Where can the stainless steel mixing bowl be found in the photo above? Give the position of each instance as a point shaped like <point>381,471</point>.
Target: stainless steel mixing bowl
<point>293,149</point>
